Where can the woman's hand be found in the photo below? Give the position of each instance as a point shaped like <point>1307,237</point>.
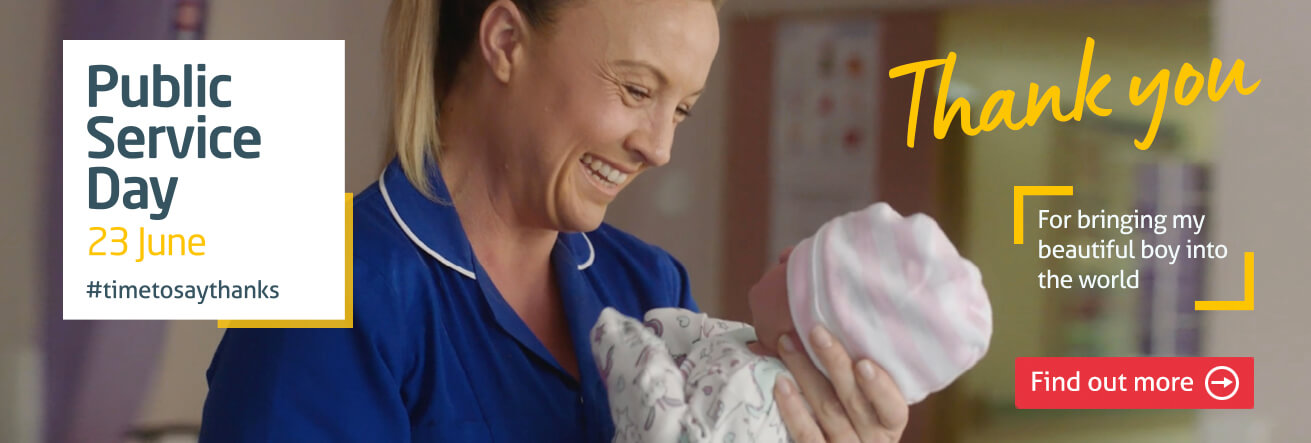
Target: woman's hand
<point>862,404</point>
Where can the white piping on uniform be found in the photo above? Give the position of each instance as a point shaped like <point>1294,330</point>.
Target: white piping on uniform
<point>382,184</point>
<point>591,253</point>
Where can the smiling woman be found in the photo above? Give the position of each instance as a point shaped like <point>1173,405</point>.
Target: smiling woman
<point>481,259</point>
<point>615,97</point>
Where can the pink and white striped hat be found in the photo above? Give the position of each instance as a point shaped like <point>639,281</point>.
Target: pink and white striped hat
<point>892,289</point>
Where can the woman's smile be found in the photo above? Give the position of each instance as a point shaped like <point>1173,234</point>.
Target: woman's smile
<point>605,176</point>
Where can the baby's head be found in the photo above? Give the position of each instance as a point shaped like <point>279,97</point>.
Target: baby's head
<point>883,284</point>
<point>768,300</point>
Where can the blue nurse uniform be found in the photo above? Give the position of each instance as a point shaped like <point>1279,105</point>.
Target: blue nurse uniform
<point>436,353</point>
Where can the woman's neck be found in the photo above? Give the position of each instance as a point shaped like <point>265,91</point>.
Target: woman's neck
<point>511,243</point>
<point>504,240</point>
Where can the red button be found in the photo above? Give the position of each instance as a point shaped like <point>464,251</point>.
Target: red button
<point>1134,382</point>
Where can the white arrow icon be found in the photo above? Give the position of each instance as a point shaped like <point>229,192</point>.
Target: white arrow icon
<point>1224,381</point>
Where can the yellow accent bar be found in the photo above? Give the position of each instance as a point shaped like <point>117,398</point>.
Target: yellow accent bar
<point>346,323</point>
<point>1248,302</point>
<point>1021,192</point>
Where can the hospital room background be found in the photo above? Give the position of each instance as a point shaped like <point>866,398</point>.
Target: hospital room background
<point>800,122</point>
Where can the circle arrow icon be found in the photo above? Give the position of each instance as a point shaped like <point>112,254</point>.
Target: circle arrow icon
<point>1221,380</point>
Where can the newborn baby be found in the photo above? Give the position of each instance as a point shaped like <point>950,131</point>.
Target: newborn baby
<point>889,288</point>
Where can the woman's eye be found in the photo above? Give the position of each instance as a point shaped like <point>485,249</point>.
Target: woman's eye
<point>683,112</point>
<point>638,92</point>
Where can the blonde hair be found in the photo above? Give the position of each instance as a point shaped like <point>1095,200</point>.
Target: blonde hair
<point>412,48</point>
<point>426,41</point>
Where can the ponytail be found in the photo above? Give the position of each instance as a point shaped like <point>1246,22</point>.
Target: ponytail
<point>411,56</point>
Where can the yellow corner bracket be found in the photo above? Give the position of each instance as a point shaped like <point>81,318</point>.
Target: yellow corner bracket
<point>1021,192</point>
<point>346,323</point>
<point>1248,302</point>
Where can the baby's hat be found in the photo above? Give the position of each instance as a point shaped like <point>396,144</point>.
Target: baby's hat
<point>892,289</point>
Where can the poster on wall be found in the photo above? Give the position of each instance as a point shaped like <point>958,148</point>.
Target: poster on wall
<point>189,19</point>
<point>823,124</point>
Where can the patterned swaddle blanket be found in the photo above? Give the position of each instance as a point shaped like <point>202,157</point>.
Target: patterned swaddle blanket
<point>682,376</point>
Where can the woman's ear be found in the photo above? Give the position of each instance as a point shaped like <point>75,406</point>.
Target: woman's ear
<point>500,38</point>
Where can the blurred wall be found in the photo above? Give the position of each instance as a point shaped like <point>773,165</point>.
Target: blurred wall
<point>178,393</point>
<point>24,107</point>
<point>1261,205</point>
<point>1007,48</point>
<point>359,23</point>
